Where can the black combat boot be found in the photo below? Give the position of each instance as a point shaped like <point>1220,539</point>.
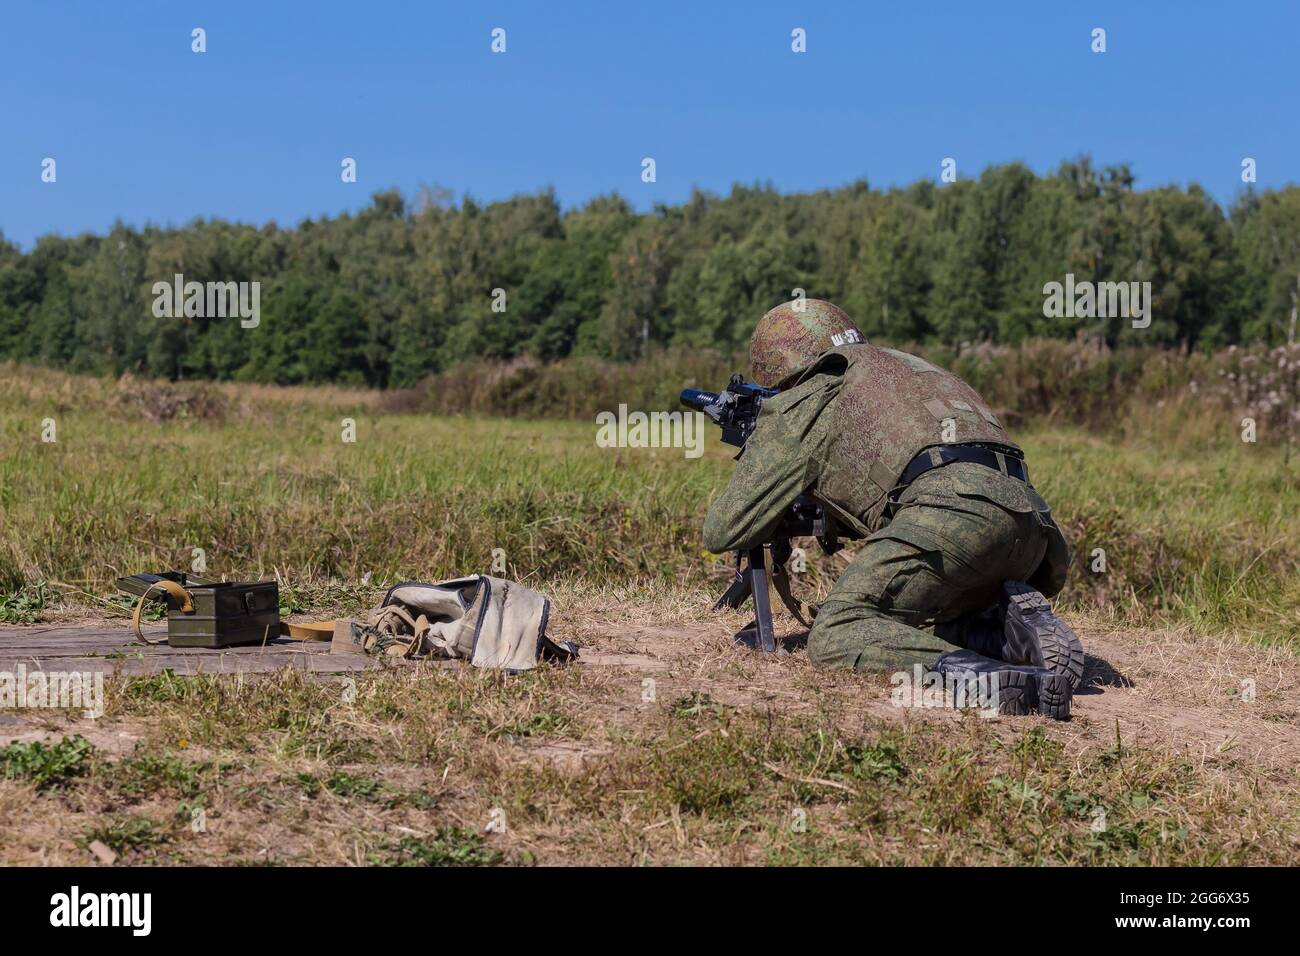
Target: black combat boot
<point>1012,688</point>
<point>1023,630</point>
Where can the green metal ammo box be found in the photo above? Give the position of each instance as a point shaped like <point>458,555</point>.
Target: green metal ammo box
<point>226,613</point>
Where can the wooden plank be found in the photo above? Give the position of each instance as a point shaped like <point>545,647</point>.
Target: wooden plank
<point>112,650</point>
<point>96,648</point>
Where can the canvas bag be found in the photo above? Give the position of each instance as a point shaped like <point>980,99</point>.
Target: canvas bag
<point>491,622</point>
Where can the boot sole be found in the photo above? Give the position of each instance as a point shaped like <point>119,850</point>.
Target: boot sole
<point>1020,688</point>
<point>1021,693</point>
<point>1034,635</point>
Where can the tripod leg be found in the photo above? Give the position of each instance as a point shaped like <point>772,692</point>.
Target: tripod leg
<point>736,593</point>
<point>763,614</point>
<point>752,581</point>
<point>765,635</point>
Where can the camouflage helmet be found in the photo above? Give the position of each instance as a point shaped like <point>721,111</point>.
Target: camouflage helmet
<point>792,335</point>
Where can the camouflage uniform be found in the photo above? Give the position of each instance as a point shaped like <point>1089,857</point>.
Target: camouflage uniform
<point>930,565</point>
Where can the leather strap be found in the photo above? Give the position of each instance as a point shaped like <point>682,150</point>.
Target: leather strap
<point>174,591</point>
<point>308,630</point>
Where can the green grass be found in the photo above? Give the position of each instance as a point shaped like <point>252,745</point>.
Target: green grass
<point>46,766</point>
<point>692,781</point>
<point>1197,527</point>
<point>148,773</point>
<point>1203,536</point>
<point>454,846</point>
<point>129,834</point>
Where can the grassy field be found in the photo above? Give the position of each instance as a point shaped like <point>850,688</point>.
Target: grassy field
<point>732,759</point>
<point>1194,529</point>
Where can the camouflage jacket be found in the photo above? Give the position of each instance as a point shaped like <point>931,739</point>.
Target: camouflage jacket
<point>844,433</point>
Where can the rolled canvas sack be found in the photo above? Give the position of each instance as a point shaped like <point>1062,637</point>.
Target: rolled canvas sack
<point>491,622</point>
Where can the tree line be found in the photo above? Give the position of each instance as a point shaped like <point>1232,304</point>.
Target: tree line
<point>409,287</point>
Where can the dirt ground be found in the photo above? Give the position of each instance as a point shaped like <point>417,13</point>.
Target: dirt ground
<point>1167,689</point>
<point>1224,708</point>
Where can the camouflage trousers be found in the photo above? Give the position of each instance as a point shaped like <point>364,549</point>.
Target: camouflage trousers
<point>921,581</point>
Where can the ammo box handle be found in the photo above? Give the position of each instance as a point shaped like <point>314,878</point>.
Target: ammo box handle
<point>174,590</point>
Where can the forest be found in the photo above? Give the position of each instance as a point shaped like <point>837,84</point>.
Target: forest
<point>411,286</point>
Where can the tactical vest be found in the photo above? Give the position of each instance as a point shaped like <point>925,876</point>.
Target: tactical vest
<point>891,407</point>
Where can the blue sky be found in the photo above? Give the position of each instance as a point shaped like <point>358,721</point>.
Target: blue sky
<point>145,130</point>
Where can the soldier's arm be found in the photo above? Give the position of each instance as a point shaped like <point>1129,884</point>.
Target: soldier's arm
<point>780,461</point>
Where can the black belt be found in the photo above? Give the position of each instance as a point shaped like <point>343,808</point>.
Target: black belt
<point>1006,460</point>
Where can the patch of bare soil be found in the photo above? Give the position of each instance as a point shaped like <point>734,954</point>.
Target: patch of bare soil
<point>1216,698</point>
<point>1221,700</point>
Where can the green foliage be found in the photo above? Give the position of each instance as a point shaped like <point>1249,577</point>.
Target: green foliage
<point>535,725</point>
<point>21,601</point>
<point>405,289</point>
<point>347,786</point>
<point>24,605</point>
<point>127,833</point>
<point>1195,525</point>
<point>145,773</point>
<point>452,846</point>
<point>46,767</point>
<point>876,761</point>
<point>694,704</point>
<point>163,687</point>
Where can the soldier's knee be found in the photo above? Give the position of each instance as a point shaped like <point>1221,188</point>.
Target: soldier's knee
<point>819,649</point>
<point>829,642</point>
<point>857,635</point>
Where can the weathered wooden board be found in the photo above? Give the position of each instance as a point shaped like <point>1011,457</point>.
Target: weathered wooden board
<point>114,649</point>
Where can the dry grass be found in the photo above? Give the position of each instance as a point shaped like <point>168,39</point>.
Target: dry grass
<point>1186,740</point>
<point>668,745</point>
<point>1194,531</point>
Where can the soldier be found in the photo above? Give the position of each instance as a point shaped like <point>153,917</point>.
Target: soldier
<point>959,549</point>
